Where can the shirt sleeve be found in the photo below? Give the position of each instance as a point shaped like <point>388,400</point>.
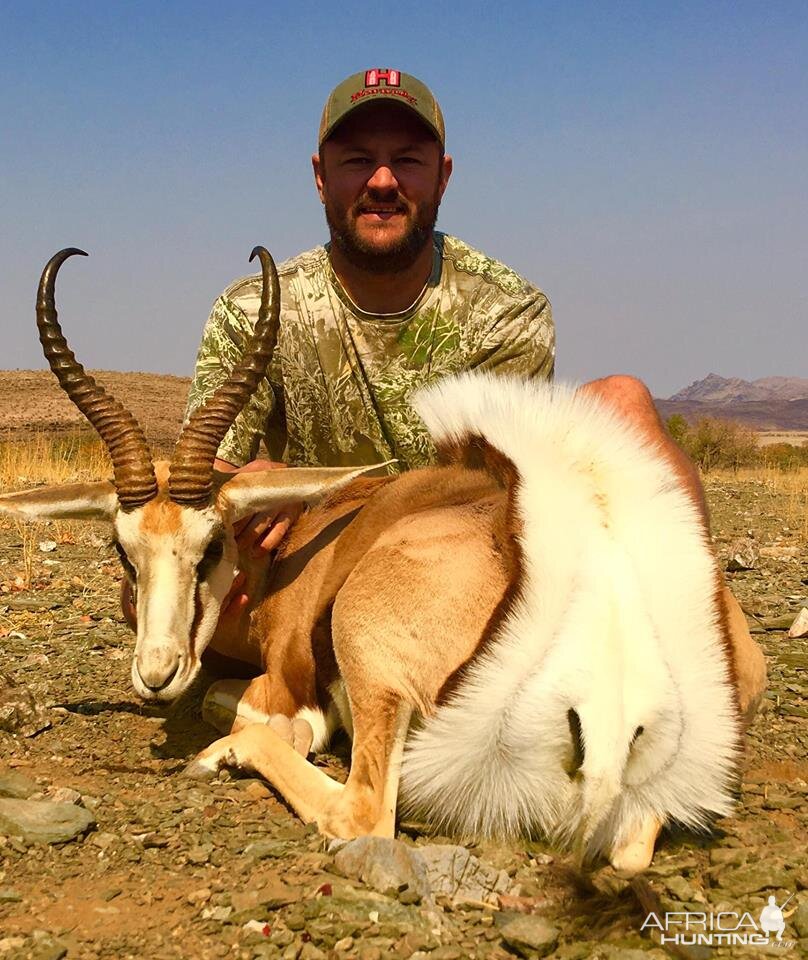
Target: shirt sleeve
<point>224,339</point>
<point>520,338</point>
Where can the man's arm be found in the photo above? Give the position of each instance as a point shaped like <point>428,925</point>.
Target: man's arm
<point>224,340</point>
<point>519,338</point>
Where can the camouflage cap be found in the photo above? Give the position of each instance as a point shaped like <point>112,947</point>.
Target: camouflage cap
<point>375,84</point>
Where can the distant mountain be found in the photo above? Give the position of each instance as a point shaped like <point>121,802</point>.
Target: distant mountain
<point>716,389</point>
<point>771,403</point>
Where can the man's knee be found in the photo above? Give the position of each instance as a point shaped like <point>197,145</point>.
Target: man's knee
<point>626,394</point>
<point>621,388</point>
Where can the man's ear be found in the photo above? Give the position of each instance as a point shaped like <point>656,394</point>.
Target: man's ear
<point>446,167</point>
<point>71,501</point>
<point>317,167</point>
<point>269,490</point>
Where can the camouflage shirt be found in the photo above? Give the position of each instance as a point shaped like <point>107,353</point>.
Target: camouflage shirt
<point>337,388</point>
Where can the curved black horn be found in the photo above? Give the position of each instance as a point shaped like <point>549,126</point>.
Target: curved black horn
<point>190,481</point>
<point>131,458</point>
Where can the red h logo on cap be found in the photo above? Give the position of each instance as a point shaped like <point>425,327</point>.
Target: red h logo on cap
<point>373,78</point>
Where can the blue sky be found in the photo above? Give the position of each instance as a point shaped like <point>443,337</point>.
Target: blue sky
<point>645,164</point>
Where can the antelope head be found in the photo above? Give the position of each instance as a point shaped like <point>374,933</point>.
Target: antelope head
<point>172,520</point>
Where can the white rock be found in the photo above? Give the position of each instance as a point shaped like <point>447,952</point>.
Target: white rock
<point>65,795</point>
<point>800,626</point>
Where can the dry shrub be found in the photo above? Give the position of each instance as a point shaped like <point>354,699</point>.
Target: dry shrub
<point>712,443</point>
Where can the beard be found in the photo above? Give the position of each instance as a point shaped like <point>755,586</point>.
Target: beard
<point>398,254</point>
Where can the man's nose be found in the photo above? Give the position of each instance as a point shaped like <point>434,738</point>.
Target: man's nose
<point>383,179</point>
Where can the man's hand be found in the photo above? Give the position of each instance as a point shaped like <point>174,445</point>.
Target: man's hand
<point>257,536</point>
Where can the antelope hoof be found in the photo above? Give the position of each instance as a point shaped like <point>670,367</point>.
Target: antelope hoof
<point>636,854</point>
<point>200,769</point>
<point>222,753</point>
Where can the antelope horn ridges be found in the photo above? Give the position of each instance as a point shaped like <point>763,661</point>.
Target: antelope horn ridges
<point>131,458</point>
<point>191,477</point>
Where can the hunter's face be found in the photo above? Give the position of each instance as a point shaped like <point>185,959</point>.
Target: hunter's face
<point>381,177</point>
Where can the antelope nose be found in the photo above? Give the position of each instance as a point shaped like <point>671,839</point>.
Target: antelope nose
<point>157,671</point>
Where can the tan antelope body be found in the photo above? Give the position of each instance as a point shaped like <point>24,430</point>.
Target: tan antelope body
<point>531,638</point>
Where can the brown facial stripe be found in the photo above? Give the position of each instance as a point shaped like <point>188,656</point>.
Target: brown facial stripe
<point>476,453</point>
<point>196,621</point>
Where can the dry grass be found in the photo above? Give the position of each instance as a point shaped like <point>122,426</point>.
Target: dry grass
<point>37,458</point>
<point>790,487</point>
<point>41,457</point>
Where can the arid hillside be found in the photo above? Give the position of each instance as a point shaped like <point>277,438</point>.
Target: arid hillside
<point>718,389</point>
<point>32,400</point>
<point>768,404</point>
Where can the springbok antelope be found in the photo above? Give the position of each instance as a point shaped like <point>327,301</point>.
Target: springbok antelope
<point>530,637</point>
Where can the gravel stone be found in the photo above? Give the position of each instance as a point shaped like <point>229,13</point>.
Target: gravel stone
<point>744,554</point>
<point>383,864</point>
<point>458,874</point>
<point>65,795</point>
<point>746,880</point>
<point>529,935</point>
<point>728,856</point>
<point>799,920</point>
<point>40,821</point>
<point>16,786</point>
<point>799,628</point>
<point>263,849</point>
<point>19,712</point>
<point>428,872</point>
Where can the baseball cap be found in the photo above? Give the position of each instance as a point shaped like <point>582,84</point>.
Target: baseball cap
<point>381,84</point>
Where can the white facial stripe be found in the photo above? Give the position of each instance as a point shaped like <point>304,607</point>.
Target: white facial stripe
<point>166,559</point>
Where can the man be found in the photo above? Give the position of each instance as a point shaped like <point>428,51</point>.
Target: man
<point>388,305</point>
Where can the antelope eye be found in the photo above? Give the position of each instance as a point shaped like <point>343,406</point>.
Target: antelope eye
<point>126,563</point>
<point>211,556</point>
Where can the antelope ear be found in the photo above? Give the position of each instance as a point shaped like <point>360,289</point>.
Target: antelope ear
<point>70,501</point>
<point>268,490</point>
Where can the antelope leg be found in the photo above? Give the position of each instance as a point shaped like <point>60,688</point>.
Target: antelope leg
<point>365,804</point>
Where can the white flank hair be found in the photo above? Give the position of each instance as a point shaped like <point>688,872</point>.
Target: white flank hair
<point>616,618</point>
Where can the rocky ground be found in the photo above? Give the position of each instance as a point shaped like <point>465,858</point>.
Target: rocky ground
<point>106,851</point>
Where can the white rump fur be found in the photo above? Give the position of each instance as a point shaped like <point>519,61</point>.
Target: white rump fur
<point>616,619</point>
